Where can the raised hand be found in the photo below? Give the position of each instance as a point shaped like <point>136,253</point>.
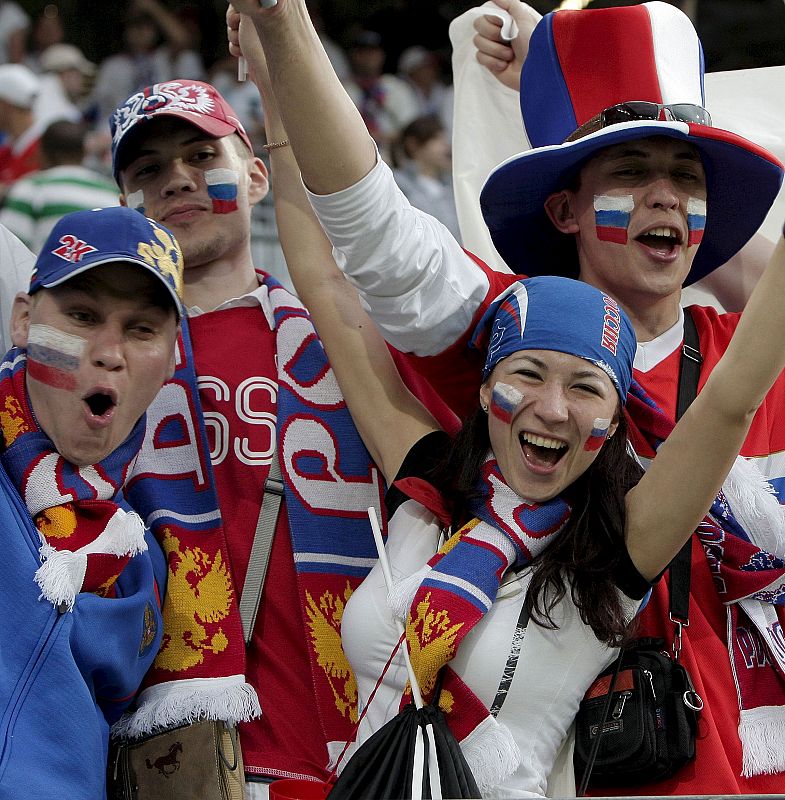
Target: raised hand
<point>501,56</point>
<point>252,7</point>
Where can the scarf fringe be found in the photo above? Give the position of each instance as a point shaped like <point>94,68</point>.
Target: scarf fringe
<point>491,753</point>
<point>62,572</point>
<point>61,575</point>
<point>755,506</point>
<point>762,734</point>
<point>401,596</point>
<point>175,703</point>
<point>123,536</point>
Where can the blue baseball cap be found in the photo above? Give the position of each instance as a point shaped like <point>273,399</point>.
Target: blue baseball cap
<point>86,239</point>
<point>554,313</point>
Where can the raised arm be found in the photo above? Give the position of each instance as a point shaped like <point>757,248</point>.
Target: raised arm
<point>420,287</point>
<point>691,465</point>
<point>333,147</point>
<point>389,418</point>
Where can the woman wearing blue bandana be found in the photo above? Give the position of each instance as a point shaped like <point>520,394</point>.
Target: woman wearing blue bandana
<point>535,503</point>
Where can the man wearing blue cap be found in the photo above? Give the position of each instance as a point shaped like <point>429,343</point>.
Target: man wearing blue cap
<point>82,582</point>
<point>629,187</point>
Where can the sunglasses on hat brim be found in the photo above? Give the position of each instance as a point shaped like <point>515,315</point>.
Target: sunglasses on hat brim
<point>635,110</point>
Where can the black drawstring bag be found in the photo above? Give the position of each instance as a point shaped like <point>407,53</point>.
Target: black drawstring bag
<point>388,763</point>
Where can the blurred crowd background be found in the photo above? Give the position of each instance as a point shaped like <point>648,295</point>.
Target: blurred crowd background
<point>65,66</point>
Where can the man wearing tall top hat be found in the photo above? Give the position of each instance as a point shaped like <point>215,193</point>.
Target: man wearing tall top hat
<point>628,186</point>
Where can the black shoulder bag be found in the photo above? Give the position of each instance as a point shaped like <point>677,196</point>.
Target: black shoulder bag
<point>637,721</point>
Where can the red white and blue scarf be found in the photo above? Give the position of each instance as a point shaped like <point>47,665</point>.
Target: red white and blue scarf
<point>447,597</point>
<point>87,537</point>
<point>330,482</point>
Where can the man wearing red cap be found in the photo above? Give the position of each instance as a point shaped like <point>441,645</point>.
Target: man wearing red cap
<point>629,187</point>
<point>182,157</point>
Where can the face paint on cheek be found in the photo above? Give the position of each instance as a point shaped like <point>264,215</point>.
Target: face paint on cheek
<point>612,217</point>
<point>598,435</point>
<point>696,220</point>
<point>53,357</point>
<point>504,400</point>
<point>135,200</point>
<point>222,188</point>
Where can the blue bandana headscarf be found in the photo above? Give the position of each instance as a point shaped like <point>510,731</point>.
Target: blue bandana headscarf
<point>554,313</point>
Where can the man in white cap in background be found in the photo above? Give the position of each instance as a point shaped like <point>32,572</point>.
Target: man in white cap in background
<point>66,78</point>
<point>19,88</point>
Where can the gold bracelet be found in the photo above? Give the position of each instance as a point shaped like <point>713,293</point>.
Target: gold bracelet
<point>274,145</point>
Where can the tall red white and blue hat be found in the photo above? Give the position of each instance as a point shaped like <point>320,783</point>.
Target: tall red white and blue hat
<point>582,63</point>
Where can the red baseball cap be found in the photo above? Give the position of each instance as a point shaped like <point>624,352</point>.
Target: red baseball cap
<point>198,103</point>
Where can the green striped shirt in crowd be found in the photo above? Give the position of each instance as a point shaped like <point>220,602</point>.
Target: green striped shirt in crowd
<point>35,203</point>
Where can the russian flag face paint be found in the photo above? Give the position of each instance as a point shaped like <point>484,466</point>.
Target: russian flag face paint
<point>598,435</point>
<point>53,357</point>
<point>135,200</point>
<point>504,400</point>
<point>222,188</point>
<point>612,217</point>
<point>696,220</point>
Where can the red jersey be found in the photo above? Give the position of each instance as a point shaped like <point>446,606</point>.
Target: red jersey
<point>717,765</point>
<point>234,353</point>
<point>234,350</point>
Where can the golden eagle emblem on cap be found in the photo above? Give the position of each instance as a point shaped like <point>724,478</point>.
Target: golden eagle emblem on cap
<point>165,256</point>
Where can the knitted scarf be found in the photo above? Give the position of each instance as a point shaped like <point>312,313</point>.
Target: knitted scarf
<point>447,597</point>
<point>86,537</point>
<point>744,544</point>
<point>330,482</point>
<point>199,672</point>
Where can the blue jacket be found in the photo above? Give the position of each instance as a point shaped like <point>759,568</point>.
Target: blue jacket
<point>65,677</point>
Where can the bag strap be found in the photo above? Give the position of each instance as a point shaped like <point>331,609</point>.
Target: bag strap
<point>680,567</point>
<point>512,659</point>
<point>260,550</point>
<point>581,790</point>
<point>689,366</point>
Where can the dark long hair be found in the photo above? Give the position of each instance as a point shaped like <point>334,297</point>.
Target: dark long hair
<point>584,557</point>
